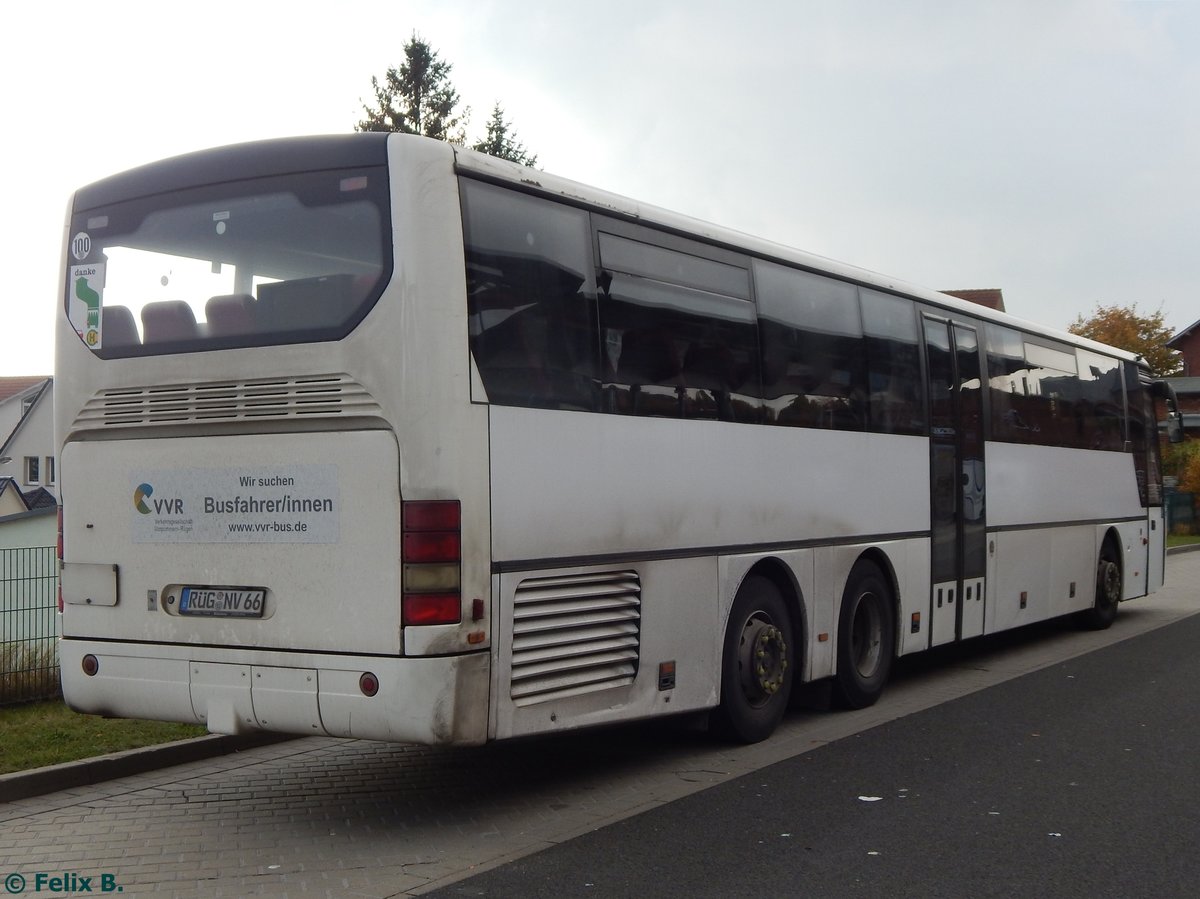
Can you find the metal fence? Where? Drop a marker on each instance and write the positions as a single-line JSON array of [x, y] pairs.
[[1181, 512], [28, 625]]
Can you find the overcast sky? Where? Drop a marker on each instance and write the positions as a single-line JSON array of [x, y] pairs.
[[1051, 149]]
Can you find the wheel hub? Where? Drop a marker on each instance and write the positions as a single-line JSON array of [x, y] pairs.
[[1110, 581], [764, 660], [866, 635]]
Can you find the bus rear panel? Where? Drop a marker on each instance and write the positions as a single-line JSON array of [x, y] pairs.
[[238, 549]]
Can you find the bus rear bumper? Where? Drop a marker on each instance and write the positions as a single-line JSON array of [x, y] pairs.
[[419, 700]]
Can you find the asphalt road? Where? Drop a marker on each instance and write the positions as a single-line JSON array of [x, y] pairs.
[[1080, 779]]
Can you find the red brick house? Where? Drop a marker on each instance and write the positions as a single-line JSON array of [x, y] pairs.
[[1187, 385], [1187, 343], [992, 297]]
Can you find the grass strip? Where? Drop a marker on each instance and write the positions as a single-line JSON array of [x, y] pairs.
[[36, 734]]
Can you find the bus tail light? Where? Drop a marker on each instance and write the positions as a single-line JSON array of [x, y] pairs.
[[60, 555], [435, 546], [432, 608], [431, 551]]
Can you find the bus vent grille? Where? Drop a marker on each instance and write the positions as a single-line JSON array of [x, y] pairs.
[[575, 634], [208, 402]]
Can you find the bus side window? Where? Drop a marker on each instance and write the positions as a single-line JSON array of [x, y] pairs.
[[893, 363], [1006, 390], [812, 336], [680, 328], [1102, 403], [530, 310], [679, 352]]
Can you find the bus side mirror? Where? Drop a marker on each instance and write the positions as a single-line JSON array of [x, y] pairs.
[[1174, 426], [1165, 392]]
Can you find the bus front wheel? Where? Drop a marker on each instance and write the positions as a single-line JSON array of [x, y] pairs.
[[758, 663], [1109, 587], [866, 637]]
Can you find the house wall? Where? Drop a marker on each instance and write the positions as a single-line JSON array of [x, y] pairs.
[[10, 415], [1189, 349], [28, 587], [35, 438], [26, 529], [10, 502]]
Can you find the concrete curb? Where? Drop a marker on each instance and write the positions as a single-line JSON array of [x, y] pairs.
[[38, 781], [1189, 548]]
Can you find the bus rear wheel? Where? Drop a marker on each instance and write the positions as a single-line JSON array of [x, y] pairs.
[[866, 637], [1109, 588], [757, 665]]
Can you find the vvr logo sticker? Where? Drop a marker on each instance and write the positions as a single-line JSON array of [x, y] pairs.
[[161, 506]]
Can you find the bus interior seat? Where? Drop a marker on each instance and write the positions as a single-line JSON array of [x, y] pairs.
[[305, 304], [361, 286], [230, 315], [648, 356], [117, 327], [168, 321], [710, 369], [514, 357], [647, 375]]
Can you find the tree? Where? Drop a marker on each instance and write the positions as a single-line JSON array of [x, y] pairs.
[[1182, 460], [1125, 328], [1189, 474], [417, 98], [501, 140]]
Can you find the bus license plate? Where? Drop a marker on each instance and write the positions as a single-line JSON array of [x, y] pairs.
[[226, 602]]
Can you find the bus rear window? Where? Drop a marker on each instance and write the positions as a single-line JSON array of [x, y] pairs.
[[290, 259]]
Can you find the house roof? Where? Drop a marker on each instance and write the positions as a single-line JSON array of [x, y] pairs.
[[39, 498], [1184, 385], [1174, 342], [9, 485], [992, 297], [12, 386], [29, 382]]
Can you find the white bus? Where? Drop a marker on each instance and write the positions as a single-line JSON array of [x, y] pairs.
[[374, 436]]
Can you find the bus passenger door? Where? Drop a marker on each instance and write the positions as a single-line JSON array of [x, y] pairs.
[[958, 537]]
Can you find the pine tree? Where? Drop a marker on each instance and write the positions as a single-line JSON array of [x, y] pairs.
[[501, 140], [417, 97]]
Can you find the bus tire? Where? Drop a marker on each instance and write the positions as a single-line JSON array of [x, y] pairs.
[[1109, 588], [758, 663], [866, 637]]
